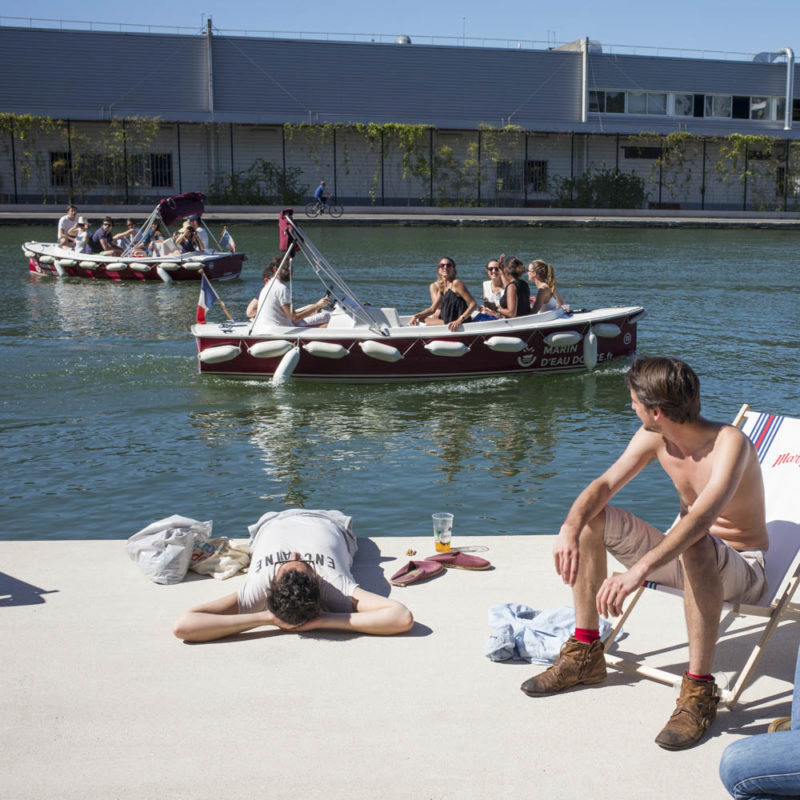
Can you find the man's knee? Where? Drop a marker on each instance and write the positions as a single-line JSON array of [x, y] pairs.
[[700, 558]]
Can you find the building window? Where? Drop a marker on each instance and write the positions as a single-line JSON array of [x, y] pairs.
[[597, 101], [684, 105], [642, 152], [759, 108], [782, 185], [59, 168], [609, 102], [536, 175], [718, 105], [161, 169], [740, 107]]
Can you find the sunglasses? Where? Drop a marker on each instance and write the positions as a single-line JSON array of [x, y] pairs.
[[493, 269]]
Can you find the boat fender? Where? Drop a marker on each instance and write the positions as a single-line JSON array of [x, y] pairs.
[[447, 348], [29, 254], [169, 266], [163, 274], [116, 266], [287, 366], [135, 265], [326, 349], [562, 338], [88, 264], [380, 351], [46, 259], [67, 262], [606, 330], [220, 353], [192, 265], [271, 349], [590, 350], [505, 344], [59, 269]]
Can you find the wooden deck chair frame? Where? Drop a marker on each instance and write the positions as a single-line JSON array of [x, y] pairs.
[[782, 561]]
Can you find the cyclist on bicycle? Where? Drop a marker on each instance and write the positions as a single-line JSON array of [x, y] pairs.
[[321, 196]]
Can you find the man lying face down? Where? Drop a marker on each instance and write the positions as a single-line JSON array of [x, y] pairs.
[[299, 580]]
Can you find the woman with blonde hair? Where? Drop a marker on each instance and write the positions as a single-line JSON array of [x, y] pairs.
[[543, 277], [449, 297]]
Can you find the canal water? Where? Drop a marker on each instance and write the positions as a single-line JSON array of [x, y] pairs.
[[106, 425]]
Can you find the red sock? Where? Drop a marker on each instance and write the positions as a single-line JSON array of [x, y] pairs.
[[586, 635], [700, 677]]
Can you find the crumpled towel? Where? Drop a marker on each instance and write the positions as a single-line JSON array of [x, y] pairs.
[[221, 558], [522, 633]]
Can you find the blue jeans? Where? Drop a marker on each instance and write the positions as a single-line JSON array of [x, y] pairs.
[[768, 765]]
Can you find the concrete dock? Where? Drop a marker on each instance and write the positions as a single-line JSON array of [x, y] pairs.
[[100, 700]]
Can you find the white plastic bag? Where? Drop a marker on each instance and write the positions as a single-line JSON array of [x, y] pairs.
[[221, 558], [163, 550]]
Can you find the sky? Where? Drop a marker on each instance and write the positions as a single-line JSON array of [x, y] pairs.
[[729, 26]]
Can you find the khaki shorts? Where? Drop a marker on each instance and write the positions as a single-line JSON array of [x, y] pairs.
[[628, 538]]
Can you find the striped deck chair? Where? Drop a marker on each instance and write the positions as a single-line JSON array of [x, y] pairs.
[[777, 441]]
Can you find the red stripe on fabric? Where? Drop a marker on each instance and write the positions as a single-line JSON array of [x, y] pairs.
[[764, 431]]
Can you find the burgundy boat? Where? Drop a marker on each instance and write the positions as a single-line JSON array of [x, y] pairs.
[[365, 343], [166, 265]]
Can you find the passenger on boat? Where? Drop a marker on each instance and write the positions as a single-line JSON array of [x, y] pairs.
[[515, 300], [202, 235], [543, 277], [493, 287], [187, 238], [82, 236], [124, 239], [101, 240], [300, 579], [450, 295], [275, 306], [66, 227], [268, 274]]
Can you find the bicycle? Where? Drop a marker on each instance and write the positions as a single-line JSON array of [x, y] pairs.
[[315, 208]]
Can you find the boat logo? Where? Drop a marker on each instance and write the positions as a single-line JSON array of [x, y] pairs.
[[627, 338], [527, 357]]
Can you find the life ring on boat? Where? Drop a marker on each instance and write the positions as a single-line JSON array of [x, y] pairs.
[[606, 330], [326, 350], [505, 344], [287, 366], [380, 351], [116, 266], [271, 349], [450, 349], [562, 338], [220, 353], [590, 350]]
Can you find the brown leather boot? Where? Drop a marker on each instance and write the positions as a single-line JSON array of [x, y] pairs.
[[577, 663], [694, 712]]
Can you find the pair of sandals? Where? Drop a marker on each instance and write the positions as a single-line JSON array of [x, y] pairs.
[[424, 569]]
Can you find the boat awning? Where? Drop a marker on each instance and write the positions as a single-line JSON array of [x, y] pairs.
[[181, 206]]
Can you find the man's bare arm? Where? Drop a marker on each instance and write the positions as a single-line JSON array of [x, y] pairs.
[[218, 619], [373, 614], [641, 450]]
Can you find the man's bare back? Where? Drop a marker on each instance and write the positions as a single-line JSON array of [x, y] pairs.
[[741, 523]]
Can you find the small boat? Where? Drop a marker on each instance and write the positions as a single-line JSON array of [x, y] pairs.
[[165, 265], [364, 343]]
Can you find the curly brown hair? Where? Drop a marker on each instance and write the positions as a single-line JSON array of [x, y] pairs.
[[295, 597]]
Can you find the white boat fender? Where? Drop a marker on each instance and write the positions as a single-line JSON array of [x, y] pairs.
[[326, 350], [287, 366], [451, 349], [562, 338], [193, 265], [29, 254], [590, 350], [139, 267], [116, 266], [67, 262], [46, 259], [271, 349], [381, 351], [220, 353], [163, 274], [88, 264], [169, 266], [505, 344], [606, 330], [59, 269]]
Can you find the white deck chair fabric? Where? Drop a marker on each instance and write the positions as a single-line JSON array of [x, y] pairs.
[[777, 442]]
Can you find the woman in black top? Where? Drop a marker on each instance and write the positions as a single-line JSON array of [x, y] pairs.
[[516, 298], [450, 296]]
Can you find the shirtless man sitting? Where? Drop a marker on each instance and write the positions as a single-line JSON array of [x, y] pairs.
[[714, 552], [299, 580]]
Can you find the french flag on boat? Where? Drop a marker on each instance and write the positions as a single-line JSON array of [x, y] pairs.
[[207, 299], [226, 242]]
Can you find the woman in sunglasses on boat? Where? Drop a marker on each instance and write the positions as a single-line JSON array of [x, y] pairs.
[[515, 300], [449, 296]]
